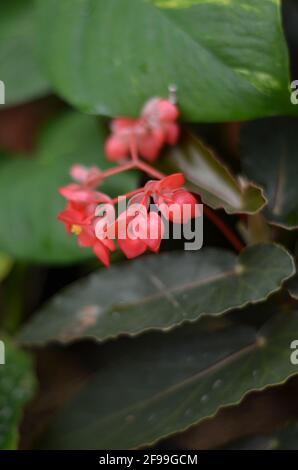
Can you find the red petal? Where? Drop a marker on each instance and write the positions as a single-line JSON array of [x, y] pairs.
[[87, 237], [94, 177], [172, 133], [174, 181], [123, 124], [132, 248], [167, 110], [80, 194], [110, 244], [188, 206], [140, 198], [155, 231], [102, 253], [79, 173], [149, 147], [70, 216], [67, 191], [150, 108]]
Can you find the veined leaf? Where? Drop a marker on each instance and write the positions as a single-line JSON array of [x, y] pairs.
[[269, 155], [19, 67], [160, 292], [150, 387], [210, 178], [110, 57]]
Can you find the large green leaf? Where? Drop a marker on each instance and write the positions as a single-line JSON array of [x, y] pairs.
[[6, 263], [284, 439], [150, 387], [206, 175], [29, 199], [270, 157], [109, 57], [19, 68], [17, 385], [160, 292]]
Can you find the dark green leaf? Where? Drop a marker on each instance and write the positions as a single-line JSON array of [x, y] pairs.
[[19, 68], [109, 57], [292, 286], [17, 385], [156, 385], [159, 292], [207, 176], [269, 155], [29, 199]]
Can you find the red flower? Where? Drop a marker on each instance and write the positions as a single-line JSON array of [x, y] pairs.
[[80, 220], [101, 248], [117, 146], [160, 110], [175, 202], [156, 127], [77, 215], [81, 194], [138, 230]]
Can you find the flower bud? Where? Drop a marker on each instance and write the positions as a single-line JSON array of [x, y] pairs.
[[167, 110], [182, 208], [116, 149]]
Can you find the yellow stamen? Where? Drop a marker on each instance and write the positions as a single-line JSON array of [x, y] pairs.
[[76, 229]]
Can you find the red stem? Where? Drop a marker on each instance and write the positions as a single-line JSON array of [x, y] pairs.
[[136, 163], [129, 194], [118, 169], [134, 150], [150, 170], [225, 229]]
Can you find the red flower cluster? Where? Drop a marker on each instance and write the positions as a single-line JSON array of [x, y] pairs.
[[172, 200], [156, 127], [137, 229]]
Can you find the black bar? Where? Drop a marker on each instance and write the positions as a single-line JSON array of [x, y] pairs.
[[137, 459]]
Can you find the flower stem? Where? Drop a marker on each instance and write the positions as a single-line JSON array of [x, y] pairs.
[[134, 150], [150, 170], [129, 194], [225, 229], [118, 169]]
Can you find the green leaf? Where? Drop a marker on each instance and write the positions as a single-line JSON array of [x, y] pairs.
[[210, 178], [17, 385], [29, 199], [159, 292], [284, 439], [19, 68], [109, 57], [269, 155], [6, 263], [155, 385]]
